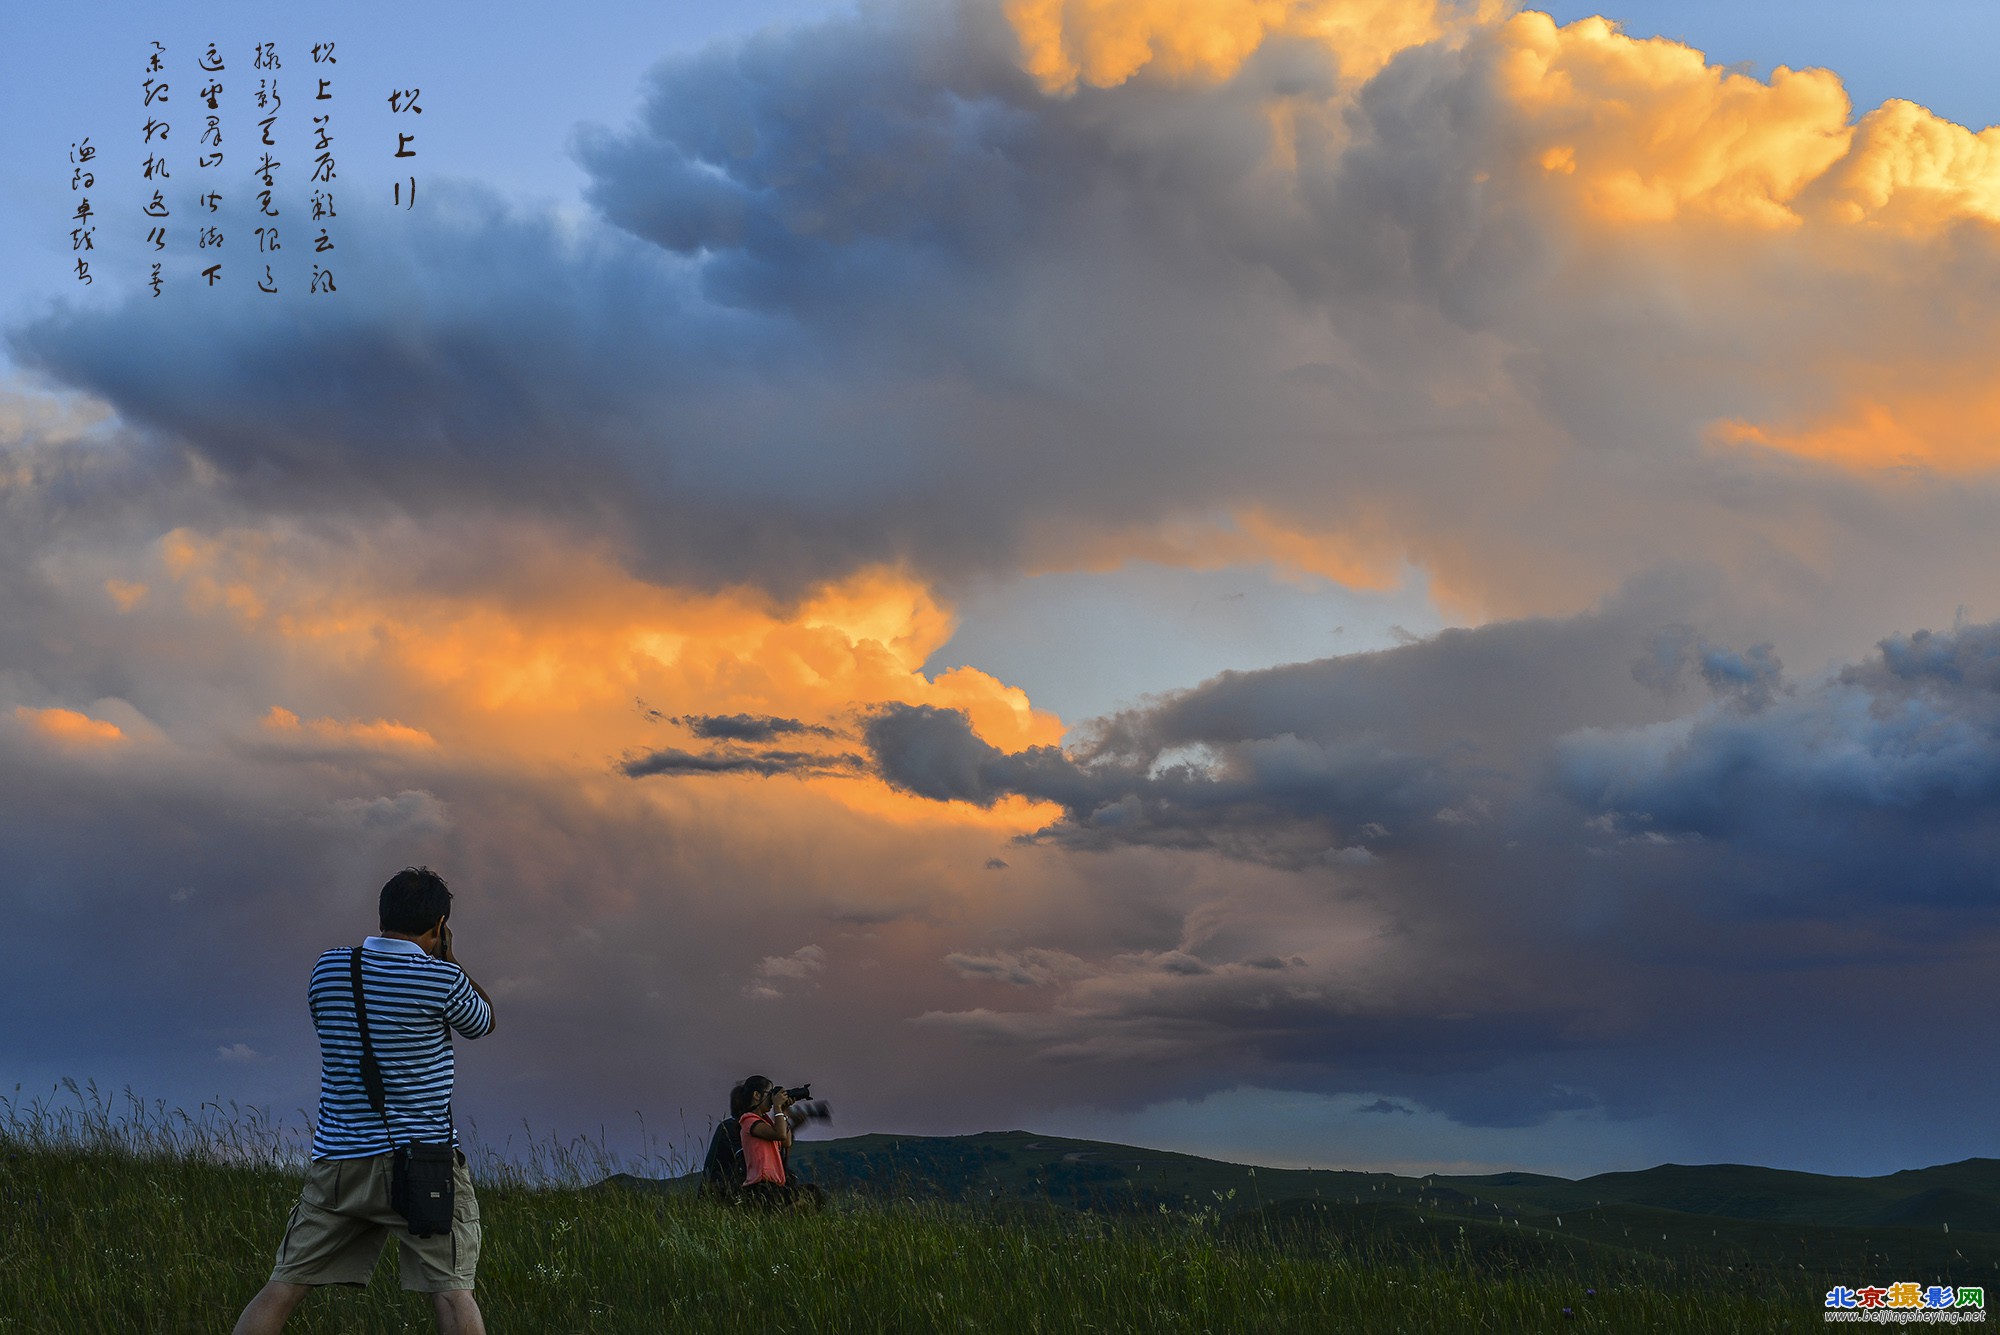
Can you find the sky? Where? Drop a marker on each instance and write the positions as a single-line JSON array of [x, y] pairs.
[[1333, 582]]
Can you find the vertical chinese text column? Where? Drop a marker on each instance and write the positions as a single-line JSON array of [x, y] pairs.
[[82, 177], [403, 102], [265, 171], [324, 170], [208, 163], [154, 89]]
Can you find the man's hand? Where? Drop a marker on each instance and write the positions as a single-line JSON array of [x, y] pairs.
[[444, 953]]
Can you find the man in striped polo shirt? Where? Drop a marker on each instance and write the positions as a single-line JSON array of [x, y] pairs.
[[414, 995]]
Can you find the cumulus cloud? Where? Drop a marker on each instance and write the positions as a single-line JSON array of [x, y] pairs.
[[1752, 677], [1064, 42], [1307, 282], [1022, 968], [1546, 917], [1327, 762], [777, 973], [1892, 755], [802, 963], [1282, 798], [927, 295], [1188, 913]]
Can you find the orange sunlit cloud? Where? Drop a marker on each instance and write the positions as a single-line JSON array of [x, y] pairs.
[[284, 723], [567, 658], [125, 593], [1949, 429], [1648, 130], [1633, 138], [70, 727], [1367, 555], [1915, 172], [1103, 43], [1642, 130]]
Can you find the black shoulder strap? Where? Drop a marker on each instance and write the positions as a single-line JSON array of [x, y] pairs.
[[371, 1070]]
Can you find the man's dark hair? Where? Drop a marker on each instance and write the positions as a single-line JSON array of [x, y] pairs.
[[413, 900], [739, 1101]]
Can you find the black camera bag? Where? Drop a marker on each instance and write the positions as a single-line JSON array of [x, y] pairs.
[[423, 1186]]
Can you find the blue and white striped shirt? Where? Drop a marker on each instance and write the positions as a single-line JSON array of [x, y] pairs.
[[414, 1001]]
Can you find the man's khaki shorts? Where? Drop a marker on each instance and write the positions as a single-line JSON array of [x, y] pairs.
[[337, 1229]]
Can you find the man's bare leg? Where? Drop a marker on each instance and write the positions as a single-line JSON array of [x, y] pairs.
[[457, 1313], [271, 1308]]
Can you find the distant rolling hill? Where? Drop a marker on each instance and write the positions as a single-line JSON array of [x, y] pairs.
[[1936, 1224]]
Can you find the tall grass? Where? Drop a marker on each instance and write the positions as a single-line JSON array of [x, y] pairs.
[[118, 1215]]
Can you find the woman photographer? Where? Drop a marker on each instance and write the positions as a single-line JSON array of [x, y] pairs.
[[767, 1139]]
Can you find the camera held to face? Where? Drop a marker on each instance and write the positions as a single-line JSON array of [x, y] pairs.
[[804, 1107]]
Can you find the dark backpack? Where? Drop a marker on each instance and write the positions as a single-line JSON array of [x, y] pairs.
[[722, 1171]]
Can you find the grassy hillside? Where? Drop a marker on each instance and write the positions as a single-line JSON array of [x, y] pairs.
[[95, 1240], [1942, 1221], [169, 1225]]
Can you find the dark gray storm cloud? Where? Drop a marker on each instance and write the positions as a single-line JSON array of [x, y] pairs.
[[1386, 1106], [1310, 762], [1581, 866], [1873, 794], [674, 761], [748, 727], [1753, 677], [1875, 789], [1280, 799]]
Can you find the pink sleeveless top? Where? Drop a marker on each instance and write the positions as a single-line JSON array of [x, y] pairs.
[[761, 1160]]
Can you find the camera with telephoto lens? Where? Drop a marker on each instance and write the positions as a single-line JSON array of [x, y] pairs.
[[805, 1107]]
